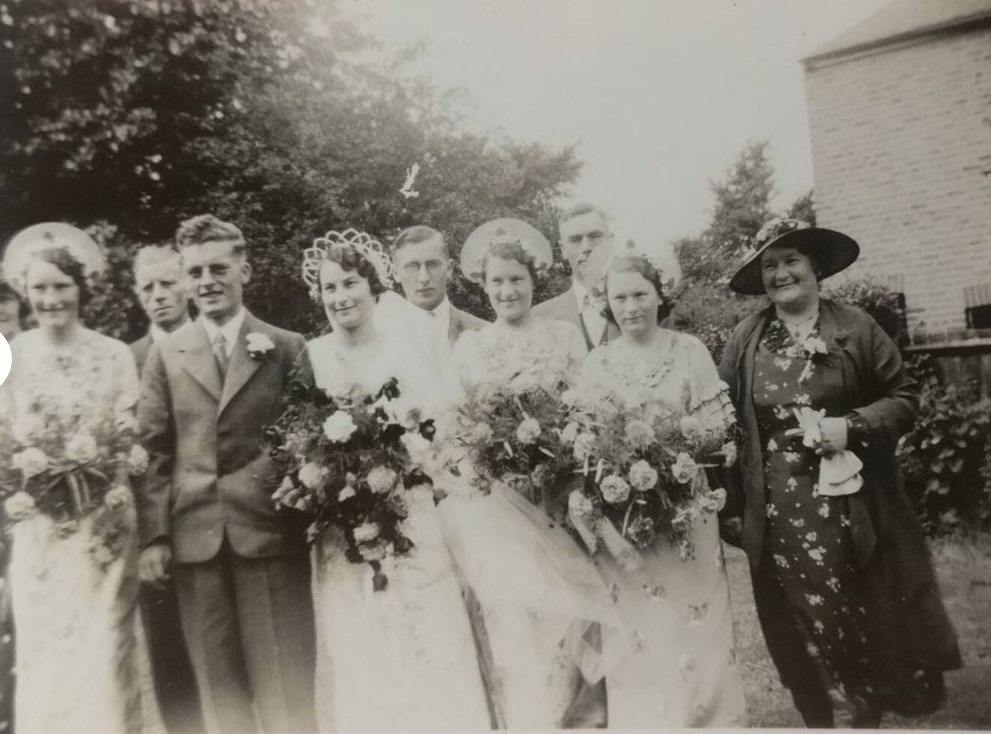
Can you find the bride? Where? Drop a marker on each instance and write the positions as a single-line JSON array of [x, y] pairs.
[[402, 658]]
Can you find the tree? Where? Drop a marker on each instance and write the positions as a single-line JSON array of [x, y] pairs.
[[136, 114]]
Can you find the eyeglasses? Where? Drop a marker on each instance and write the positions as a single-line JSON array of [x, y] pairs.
[[413, 267]]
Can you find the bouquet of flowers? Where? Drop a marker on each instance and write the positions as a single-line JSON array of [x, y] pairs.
[[70, 468], [513, 436], [643, 474], [348, 460]]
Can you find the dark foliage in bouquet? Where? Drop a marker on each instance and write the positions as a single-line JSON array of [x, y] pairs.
[[643, 475], [347, 461], [514, 436], [71, 469]]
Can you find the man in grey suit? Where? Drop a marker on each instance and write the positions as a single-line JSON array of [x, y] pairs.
[[161, 289], [206, 513], [422, 266], [582, 228]]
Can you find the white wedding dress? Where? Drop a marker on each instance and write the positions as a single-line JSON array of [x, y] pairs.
[[400, 659], [540, 609]]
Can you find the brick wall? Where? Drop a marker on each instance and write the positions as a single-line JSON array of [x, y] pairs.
[[898, 145]]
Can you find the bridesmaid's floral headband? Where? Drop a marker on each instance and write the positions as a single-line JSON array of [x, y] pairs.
[[369, 249]]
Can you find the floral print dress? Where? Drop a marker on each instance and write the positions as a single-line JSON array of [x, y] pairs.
[[811, 555], [74, 599]]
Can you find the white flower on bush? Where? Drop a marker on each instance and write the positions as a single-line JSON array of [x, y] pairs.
[[118, 497], [81, 448], [366, 532], [311, 475], [528, 431], [642, 476], [584, 445], [137, 460], [684, 468], [31, 461], [381, 479], [19, 506], [346, 493], [569, 433], [729, 453], [691, 427], [339, 427], [614, 489], [639, 433], [29, 427]]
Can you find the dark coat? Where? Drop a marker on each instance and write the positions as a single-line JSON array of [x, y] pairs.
[[911, 624]]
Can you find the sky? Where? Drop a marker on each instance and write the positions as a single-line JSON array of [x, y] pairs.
[[660, 96]]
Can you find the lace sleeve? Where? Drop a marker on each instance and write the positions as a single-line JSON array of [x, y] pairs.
[[708, 396]]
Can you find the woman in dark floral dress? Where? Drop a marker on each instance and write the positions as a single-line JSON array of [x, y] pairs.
[[842, 579]]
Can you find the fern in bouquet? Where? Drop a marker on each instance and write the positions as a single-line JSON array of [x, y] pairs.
[[348, 461], [643, 475], [513, 436], [72, 467]]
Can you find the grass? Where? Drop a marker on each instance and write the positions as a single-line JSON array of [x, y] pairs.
[[963, 567]]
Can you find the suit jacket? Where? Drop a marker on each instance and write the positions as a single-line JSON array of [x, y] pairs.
[[140, 350], [564, 307], [462, 321], [209, 475]]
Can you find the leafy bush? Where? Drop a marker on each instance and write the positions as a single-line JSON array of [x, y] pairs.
[[878, 300], [710, 312], [946, 458]]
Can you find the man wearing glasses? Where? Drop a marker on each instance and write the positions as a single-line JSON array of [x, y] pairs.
[[422, 266], [582, 228]]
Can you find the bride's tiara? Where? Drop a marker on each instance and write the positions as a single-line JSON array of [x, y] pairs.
[[369, 249]]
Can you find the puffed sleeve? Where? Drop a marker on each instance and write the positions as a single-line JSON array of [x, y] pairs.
[[708, 399]]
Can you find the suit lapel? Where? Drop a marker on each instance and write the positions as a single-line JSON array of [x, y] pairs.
[[198, 358], [242, 366]]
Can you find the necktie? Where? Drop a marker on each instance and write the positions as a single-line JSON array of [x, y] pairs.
[[219, 345]]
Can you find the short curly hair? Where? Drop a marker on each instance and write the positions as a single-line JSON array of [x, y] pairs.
[[66, 262], [639, 264], [510, 250], [351, 260]]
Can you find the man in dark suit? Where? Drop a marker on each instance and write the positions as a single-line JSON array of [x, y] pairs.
[[422, 267], [161, 290], [582, 228], [206, 514]]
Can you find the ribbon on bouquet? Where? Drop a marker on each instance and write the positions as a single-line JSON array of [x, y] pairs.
[[580, 515]]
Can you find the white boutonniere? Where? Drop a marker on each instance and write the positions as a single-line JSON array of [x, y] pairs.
[[259, 345], [814, 345]]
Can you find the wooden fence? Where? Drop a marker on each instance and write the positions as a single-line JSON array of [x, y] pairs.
[[966, 362]]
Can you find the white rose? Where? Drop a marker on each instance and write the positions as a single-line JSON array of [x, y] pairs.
[[259, 344], [31, 461], [715, 500], [639, 433], [614, 489], [346, 493], [81, 448], [118, 497], [366, 532], [28, 427], [684, 468], [19, 506], [691, 427], [403, 412], [642, 476], [311, 475], [137, 460], [339, 427], [528, 431], [381, 479]]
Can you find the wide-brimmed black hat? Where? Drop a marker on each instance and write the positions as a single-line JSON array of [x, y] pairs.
[[833, 251]]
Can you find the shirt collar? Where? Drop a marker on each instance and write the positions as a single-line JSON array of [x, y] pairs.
[[442, 312], [157, 334], [231, 330], [580, 293]]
